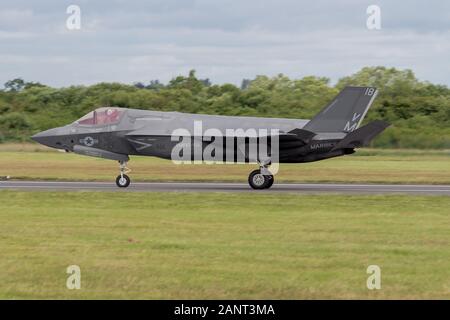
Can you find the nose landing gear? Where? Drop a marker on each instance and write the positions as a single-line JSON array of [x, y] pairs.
[[122, 180]]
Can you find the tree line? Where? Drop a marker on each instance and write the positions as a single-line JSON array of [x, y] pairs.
[[418, 111]]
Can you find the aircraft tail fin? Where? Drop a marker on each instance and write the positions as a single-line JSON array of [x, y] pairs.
[[345, 113], [361, 137]]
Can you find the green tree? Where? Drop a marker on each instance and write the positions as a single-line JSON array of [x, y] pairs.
[[15, 85]]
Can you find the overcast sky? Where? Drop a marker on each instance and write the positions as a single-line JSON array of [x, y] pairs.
[[224, 40]]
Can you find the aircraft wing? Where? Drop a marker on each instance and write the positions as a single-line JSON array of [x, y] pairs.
[[148, 132], [294, 135]]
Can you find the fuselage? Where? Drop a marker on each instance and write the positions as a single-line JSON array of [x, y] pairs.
[[151, 133]]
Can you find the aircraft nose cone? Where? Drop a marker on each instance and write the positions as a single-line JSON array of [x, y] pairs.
[[46, 137], [41, 136]]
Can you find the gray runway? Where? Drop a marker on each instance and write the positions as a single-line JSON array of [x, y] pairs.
[[227, 187]]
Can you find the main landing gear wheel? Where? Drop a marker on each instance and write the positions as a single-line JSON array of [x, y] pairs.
[[123, 181], [258, 181]]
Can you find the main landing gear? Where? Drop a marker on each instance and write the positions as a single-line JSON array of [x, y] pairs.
[[122, 179], [258, 179], [261, 178]]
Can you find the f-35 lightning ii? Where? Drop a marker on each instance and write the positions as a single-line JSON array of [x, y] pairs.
[[116, 133]]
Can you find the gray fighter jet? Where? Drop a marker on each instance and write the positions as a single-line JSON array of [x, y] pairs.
[[115, 133]]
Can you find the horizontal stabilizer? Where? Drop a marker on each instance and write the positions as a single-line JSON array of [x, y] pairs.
[[361, 137], [301, 134]]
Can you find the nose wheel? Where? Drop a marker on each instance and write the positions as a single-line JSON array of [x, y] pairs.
[[122, 180]]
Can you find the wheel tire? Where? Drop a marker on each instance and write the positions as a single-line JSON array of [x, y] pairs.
[[123, 182], [270, 182], [258, 181]]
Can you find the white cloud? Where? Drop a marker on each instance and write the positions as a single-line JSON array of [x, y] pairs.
[[223, 40]]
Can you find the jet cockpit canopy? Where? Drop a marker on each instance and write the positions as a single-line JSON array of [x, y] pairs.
[[101, 116]]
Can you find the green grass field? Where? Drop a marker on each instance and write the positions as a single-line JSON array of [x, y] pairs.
[[177, 245], [374, 166], [217, 245]]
